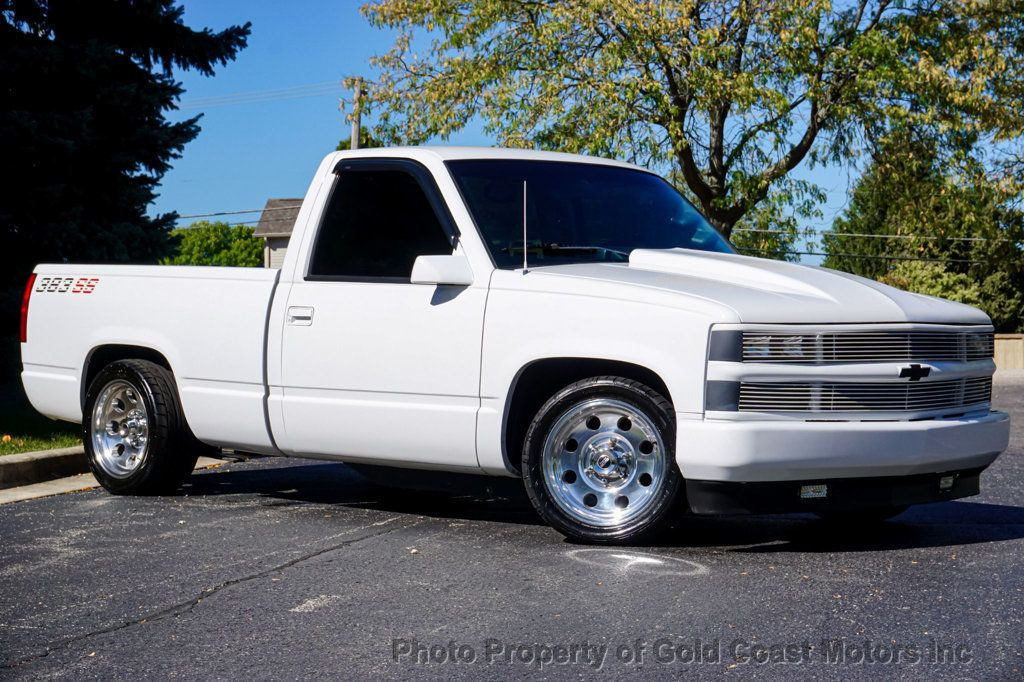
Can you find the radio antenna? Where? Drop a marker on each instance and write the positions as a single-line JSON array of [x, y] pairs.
[[524, 228]]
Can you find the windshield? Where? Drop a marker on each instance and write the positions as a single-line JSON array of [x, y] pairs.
[[577, 212]]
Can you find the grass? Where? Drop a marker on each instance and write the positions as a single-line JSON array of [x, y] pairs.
[[22, 429]]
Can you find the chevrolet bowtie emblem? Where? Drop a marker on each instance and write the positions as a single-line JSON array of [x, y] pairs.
[[915, 372]]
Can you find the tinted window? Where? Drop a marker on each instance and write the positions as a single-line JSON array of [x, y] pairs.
[[577, 212], [377, 222]]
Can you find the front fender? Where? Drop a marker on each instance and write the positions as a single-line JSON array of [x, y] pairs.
[[523, 327]]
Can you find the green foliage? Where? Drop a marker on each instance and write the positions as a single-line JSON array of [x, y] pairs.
[[933, 279], [85, 141], [733, 94], [772, 228], [22, 429], [367, 140], [994, 292], [962, 220], [206, 243]]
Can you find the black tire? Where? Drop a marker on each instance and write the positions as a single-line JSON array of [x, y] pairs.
[[171, 450], [870, 516], [661, 504]]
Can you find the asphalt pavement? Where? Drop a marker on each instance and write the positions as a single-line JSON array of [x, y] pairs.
[[278, 568]]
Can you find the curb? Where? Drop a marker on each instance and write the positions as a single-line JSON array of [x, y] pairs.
[[72, 484], [43, 465]]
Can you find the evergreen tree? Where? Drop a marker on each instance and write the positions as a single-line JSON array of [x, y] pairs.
[[892, 196], [957, 230], [83, 128]]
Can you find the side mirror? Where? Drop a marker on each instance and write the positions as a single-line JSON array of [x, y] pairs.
[[447, 270]]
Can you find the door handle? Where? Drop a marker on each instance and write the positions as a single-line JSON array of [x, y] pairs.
[[300, 315]]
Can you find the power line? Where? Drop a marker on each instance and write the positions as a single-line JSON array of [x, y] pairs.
[[255, 96], [743, 248], [260, 93], [829, 233], [817, 232], [272, 92], [257, 100], [196, 225], [248, 210], [867, 256]]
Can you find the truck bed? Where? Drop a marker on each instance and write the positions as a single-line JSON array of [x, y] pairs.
[[185, 313]]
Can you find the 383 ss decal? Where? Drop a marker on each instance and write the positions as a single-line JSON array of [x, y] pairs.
[[62, 285]]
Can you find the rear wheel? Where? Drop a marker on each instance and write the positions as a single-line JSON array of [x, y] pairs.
[[598, 461], [135, 436]]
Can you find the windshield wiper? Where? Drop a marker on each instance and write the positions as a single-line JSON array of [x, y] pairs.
[[557, 248]]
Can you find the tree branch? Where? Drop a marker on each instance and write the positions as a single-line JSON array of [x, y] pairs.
[[787, 163], [720, 113], [752, 131]]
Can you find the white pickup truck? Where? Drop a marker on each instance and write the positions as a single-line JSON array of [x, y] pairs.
[[634, 363]]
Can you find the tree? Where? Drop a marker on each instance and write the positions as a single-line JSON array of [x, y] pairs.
[[367, 140], [772, 229], [922, 224], [216, 243], [83, 128], [998, 292], [734, 94], [902, 192]]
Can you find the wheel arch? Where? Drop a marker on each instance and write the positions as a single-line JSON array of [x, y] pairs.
[[102, 355], [538, 380]]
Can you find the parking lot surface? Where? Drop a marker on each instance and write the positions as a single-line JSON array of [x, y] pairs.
[[276, 568]]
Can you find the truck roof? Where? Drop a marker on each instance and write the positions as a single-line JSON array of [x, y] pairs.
[[450, 153]]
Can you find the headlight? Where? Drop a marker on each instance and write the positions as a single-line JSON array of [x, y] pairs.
[[777, 347], [979, 346]]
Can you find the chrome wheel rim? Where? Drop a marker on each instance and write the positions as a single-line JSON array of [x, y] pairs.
[[120, 429], [603, 462]]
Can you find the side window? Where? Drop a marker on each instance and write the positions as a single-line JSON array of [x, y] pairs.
[[377, 222]]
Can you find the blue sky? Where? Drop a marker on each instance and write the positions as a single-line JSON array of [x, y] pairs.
[[250, 151]]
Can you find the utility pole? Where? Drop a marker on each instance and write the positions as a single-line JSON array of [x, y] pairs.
[[355, 114]]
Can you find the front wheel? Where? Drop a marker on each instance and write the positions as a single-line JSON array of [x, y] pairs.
[[135, 436], [599, 463]]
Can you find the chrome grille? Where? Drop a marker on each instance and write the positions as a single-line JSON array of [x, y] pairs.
[[872, 346], [864, 397]]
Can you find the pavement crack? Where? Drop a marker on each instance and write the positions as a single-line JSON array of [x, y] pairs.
[[188, 605]]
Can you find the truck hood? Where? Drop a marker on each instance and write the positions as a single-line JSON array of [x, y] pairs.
[[760, 290]]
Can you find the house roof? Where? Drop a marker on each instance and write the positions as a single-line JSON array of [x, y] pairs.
[[278, 218]]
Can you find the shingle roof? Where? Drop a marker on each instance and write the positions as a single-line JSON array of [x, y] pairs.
[[278, 218]]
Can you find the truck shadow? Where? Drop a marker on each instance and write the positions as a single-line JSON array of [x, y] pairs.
[[471, 498], [940, 524], [475, 498]]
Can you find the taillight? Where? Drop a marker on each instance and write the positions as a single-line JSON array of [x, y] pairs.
[[24, 307]]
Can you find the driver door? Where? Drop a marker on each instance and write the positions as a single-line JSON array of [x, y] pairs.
[[374, 368]]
